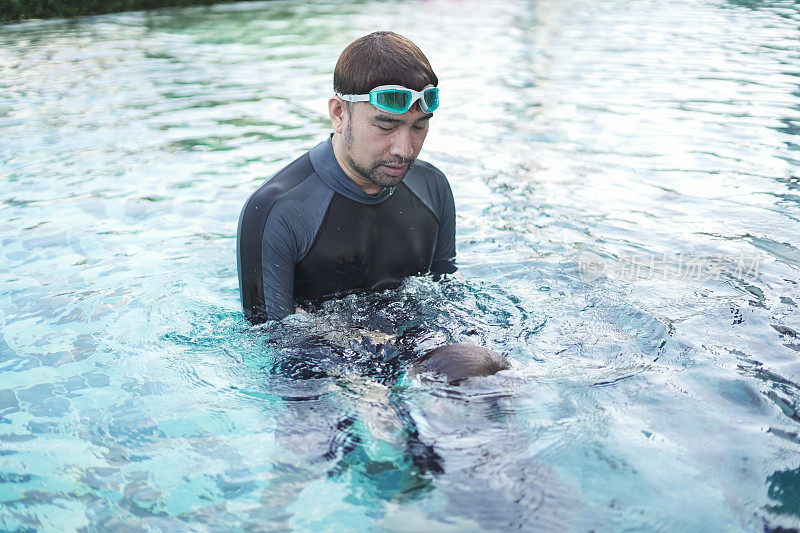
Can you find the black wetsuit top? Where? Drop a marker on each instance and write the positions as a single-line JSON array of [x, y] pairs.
[[310, 232]]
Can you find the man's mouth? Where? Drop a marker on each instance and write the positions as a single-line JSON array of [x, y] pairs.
[[395, 170]]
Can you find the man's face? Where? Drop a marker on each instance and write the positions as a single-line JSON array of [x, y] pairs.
[[380, 147]]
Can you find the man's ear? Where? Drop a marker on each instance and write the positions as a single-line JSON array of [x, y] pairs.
[[338, 113]]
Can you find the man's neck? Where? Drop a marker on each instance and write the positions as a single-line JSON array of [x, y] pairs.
[[338, 149]]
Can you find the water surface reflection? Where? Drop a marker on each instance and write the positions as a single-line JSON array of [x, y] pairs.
[[650, 134]]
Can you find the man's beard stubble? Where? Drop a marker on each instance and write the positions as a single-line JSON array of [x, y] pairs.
[[374, 173]]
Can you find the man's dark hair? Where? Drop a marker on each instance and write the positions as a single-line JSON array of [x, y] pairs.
[[381, 58]]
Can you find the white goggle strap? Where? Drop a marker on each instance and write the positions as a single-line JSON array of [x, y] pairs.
[[354, 97]]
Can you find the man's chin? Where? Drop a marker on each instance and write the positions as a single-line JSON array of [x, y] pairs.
[[385, 180]]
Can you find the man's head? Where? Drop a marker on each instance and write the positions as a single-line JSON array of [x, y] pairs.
[[376, 148]]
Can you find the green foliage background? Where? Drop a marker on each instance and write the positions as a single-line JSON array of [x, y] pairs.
[[16, 10]]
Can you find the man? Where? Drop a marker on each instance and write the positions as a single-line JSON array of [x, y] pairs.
[[357, 211]]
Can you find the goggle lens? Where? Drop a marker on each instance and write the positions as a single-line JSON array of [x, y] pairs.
[[393, 100], [431, 97]]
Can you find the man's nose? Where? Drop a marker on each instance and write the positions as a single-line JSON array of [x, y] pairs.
[[401, 143]]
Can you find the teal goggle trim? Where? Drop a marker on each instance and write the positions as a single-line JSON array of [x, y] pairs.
[[397, 99]]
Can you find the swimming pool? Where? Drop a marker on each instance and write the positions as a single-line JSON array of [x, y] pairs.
[[627, 186]]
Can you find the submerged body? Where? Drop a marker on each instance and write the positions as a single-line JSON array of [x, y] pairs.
[[457, 362]]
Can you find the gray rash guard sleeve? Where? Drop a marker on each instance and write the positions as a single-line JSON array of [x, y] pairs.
[[278, 254], [289, 232]]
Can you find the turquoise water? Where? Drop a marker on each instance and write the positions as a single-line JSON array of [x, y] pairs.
[[627, 183]]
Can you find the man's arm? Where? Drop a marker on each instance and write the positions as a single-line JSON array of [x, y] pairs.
[[444, 256], [266, 257], [278, 253]]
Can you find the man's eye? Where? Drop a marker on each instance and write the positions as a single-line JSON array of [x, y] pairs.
[[419, 127], [385, 128]]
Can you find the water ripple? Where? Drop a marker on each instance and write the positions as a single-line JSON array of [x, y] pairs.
[[659, 138]]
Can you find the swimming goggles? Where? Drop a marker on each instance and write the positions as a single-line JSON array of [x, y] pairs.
[[397, 99]]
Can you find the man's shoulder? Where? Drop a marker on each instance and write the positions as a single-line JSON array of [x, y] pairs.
[[430, 185], [270, 196], [425, 176], [427, 170], [288, 184], [286, 179]]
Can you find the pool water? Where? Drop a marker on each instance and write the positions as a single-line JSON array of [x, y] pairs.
[[627, 184]]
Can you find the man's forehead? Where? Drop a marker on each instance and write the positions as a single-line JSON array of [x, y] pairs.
[[409, 117]]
